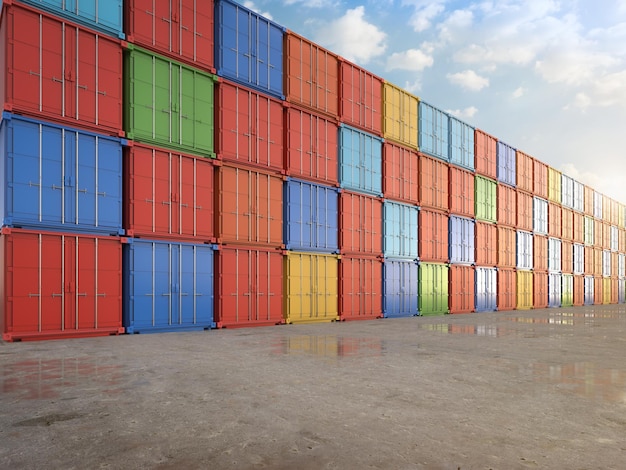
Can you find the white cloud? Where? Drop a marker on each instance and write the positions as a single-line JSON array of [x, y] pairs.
[[466, 113], [412, 59], [519, 92], [424, 14], [585, 177], [413, 87], [249, 4], [469, 80]]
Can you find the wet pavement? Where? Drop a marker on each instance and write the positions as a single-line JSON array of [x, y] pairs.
[[500, 390]]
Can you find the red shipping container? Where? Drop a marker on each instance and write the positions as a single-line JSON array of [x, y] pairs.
[[507, 249], [540, 253], [588, 201], [360, 288], [361, 98], [567, 224], [507, 205], [461, 192], [540, 289], [579, 291], [567, 257], [598, 290], [311, 75], [311, 146], [360, 224], [55, 69], [433, 236], [524, 172], [578, 227], [524, 220], [540, 179], [485, 154], [554, 220], [179, 29], [249, 207], [486, 244], [249, 289], [250, 127], [168, 195], [400, 173], [59, 285], [433, 183], [507, 285], [461, 289], [589, 261]]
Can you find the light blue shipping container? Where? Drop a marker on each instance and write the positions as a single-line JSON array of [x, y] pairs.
[[486, 286], [360, 161], [461, 144], [168, 286], [555, 290], [400, 282], [59, 178], [507, 161], [461, 240], [433, 131], [589, 290], [400, 235]]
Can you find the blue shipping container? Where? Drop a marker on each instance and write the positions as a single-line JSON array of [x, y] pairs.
[[461, 144], [360, 161], [167, 286], [486, 286], [311, 221], [101, 15], [461, 240], [507, 161], [433, 131], [59, 178], [400, 283], [249, 48], [400, 236], [589, 290], [555, 290]]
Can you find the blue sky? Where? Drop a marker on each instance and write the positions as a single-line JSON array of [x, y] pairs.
[[547, 77]]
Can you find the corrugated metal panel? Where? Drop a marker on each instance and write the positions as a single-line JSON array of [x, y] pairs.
[[249, 127], [433, 183], [567, 224], [361, 98], [249, 48], [554, 185], [621, 286], [360, 224], [524, 290], [400, 115], [598, 262], [57, 70], [461, 144], [168, 103], [312, 75], [507, 298], [311, 221], [461, 290], [621, 215], [507, 205], [614, 265], [433, 236], [579, 258], [400, 230], [598, 232], [554, 254], [486, 244], [400, 173], [579, 196], [589, 260], [554, 220], [249, 287], [400, 288], [524, 219], [607, 295], [433, 289], [589, 290], [524, 171], [540, 253], [485, 154], [540, 289], [59, 178], [486, 289], [506, 164], [567, 290], [622, 241], [614, 291], [485, 196], [598, 297], [578, 228], [597, 205], [461, 192], [506, 247], [169, 286], [567, 257], [540, 180], [621, 265], [524, 257], [311, 288], [168, 195], [540, 216], [606, 236], [555, 290], [606, 208], [606, 263], [588, 199], [579, 291], [614, 238], [59, 285], [567, 191], [589, 229], [434, 131], [360, 161], [360, 288], [461, 242]]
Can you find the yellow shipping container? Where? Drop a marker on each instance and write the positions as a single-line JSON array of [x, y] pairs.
[[606, 290], [620, 215], [524, 290], [400, 116], [554, 185], [311, 287]]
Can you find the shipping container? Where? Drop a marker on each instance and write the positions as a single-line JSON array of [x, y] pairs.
[[606, 263], [461, 289], [614, 265], [607, 203], [249, 48], [400, 230], [507, 297], [554, 220], [311, 288], [360, 288], [180, 29], [360, 161], [434, 131], [614, 283], [555, 290], [59, 178], [360, 98], [59, 285], [360, 224], [614, 212], [400, 116], [614, 238], [400, 173], [589, 260], [607, 294], [554, 185], [567, 290], [486, 289], [621, 265], [168, 195], [540, 253], [579, 196], [524, 256], [461, 191], [506, 164], [249, 287], [540, 289], [579, 258], [589, 290], [578, 227], [540, 179], [524, 216], [598, 262], [507, 205], [433, 183], [589, 229], [524, 171], [485, 154], [598, 207], [485, 197], [433, 236], [311, 217], [433, 289], [554, 255], [567, 224], [567, 191], [621, 292], [588, 200], [598, 289], [167, 103], [249, 127], [486, 244], [524, 290], [249, 207], [567, 257], [400, 285], [311, 146], [54, 69], [621, 215], [506, 247], [311, 75], [168, 286], [461, 144], [621, 241], [598, 233], [579, 291], [606, 235], [461, 236], [540, 216]]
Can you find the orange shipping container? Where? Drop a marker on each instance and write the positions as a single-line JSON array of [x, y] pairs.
[[606, 208], [524, 172], [567, 224], [579, 291], [606, 235], [433, 236], [507, 205], [361, 98], [622, 241], [578, 227], [614, 265], [461, 192], [540, 289], [614, 291], [540, 180], [589, 260], [598, 290], [360, 224], [598, 238], [360, 288], [567, 257], [554, 220], [506, 250], [597, 262], [588, 201], [433, 183], [507, 285], [540, 253], [486, 244], [461, 289], [485, 154], [524, 220], [400, 173]]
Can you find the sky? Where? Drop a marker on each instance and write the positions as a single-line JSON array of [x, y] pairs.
[[547, 77]]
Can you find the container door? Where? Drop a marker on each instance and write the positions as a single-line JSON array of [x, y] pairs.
[[194, 30], [349, 158], [181, 94], [325, 287], [266, 125], [160, 100], [299, 279], [267, 205], [268, 272], [162, 17], [165, 258], [195, 198], [51, 64], [236, 279], [196, 111], [194, 285]]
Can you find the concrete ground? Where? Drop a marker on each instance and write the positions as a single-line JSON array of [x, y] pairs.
[[502, 390]]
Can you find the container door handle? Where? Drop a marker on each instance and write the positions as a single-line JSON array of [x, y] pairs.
[[165, 294], [103, 93], [34, 73], [84, 87], [82, 191], [30, 183], [54, 186], [53, 295], [184, 205], [36, 295], [165, 203], [103, 194], [149, 200], [101, 295], [184, 294], [81, 294], [58, 80]]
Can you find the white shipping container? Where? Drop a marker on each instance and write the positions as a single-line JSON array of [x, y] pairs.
[[524, 255], [567, 191], [597, 205], [554, 254], [589, 231], [579, 196], [579, 258], [540, 216], [614, 238], [589, 290], [621, 265], [621, 288], [554, 290], [606, 263]]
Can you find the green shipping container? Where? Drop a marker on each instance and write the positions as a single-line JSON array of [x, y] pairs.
[[485, 199], [567, 290], [432, 289], [167, 103]]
